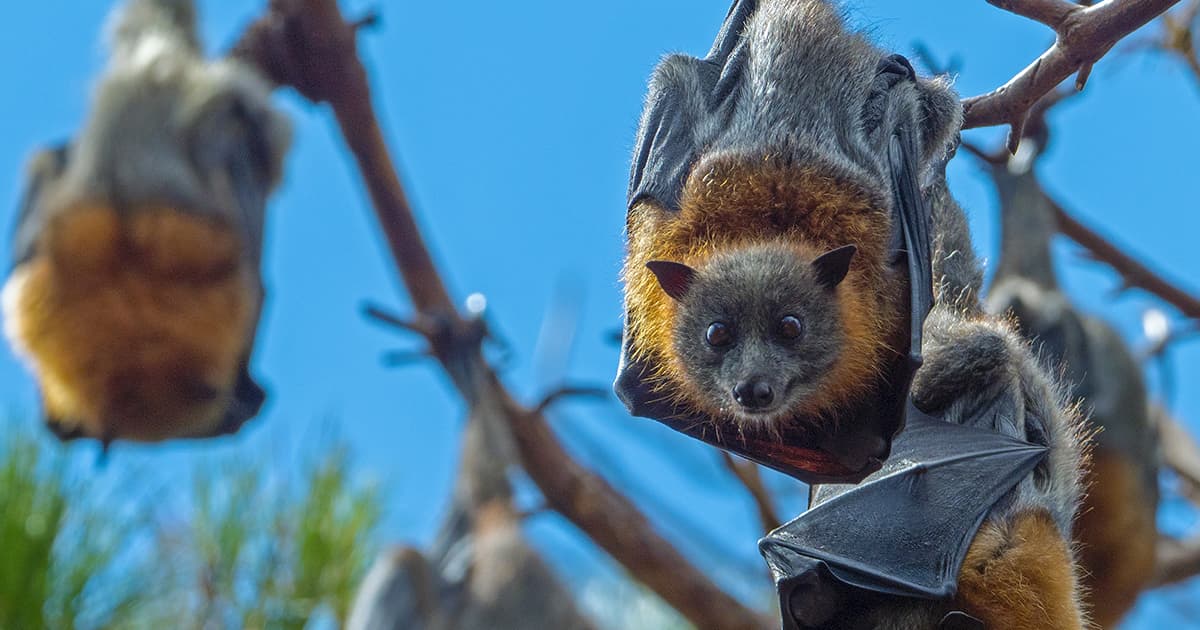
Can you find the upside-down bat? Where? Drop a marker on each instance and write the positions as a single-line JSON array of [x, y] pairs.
[[1117, 529], [480, 573], [755, 167], [778, 241], [136, 290]]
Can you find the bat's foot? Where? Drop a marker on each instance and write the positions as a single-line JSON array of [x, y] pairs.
[[963, 359], [102, 457]]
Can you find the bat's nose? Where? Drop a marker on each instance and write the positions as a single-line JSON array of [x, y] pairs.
[[754, 394]]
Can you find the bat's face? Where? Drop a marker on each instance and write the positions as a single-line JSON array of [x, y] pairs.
[[757, 328]]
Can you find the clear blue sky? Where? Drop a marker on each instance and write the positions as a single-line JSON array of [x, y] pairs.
[[513, 123]]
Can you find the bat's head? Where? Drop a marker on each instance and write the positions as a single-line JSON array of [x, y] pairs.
[[756, 328]]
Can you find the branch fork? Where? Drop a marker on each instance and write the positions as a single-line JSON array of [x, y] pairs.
[[1084, 35]]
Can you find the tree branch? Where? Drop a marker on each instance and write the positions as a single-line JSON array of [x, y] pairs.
[[1178, 37], [1085, 34], [748, 475], [570, 391], [308, 45], [1052, 13], [1132, 272]]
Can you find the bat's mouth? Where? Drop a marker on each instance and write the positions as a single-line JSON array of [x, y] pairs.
[[772, 417]]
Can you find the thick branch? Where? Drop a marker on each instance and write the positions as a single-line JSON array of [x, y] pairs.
[[748, 475], [308, 45], [1052, 13], [1085, 34], [1132, 272]]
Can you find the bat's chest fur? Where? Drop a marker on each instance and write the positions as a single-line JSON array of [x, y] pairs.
[[135, 323], [728, 205]]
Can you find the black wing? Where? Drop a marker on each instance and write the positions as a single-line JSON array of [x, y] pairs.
[[45, 167], [906, 529], [232, 149], [691, 94], [667, 144], [914, 219], [696, 91]]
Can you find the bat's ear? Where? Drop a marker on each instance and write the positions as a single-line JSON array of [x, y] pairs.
[[674, 278], [832, 266]]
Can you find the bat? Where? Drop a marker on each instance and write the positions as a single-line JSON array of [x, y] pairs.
[[135, 289], [670, 144]]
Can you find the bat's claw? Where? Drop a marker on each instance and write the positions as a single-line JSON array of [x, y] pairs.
[[103, 456]]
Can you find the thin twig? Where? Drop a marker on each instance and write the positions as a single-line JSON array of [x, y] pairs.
[[1179, 38], [980, 154], [387, 318], [403, 358], [1175, 561], [1159, 347], [1085, 34], [748, 475], [309, 46], [925, 56], [570, 391]]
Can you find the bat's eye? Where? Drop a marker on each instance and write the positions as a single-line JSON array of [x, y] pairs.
[[718, 335], [790, 327]]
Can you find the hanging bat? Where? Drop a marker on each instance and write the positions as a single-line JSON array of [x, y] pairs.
[[1116, 530], [756, 171], [778, 266], [480, 573], [135, 290]]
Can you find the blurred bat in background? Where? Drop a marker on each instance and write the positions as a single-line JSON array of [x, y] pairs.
[[1116, 530], [136, 290]]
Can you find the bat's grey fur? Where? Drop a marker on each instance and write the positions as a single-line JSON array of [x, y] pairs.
[[169, 127], [1094, 361], [1118, 533], [805, 96], [804, 93], [751, 292], [167, 131], [481, 573]]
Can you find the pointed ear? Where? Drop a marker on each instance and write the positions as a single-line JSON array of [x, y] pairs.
[[674, 278], [832, 266]]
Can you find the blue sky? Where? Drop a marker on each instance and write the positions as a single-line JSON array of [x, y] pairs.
[[513, 124]]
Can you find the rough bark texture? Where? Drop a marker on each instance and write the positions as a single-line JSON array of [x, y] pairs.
[[1085, 34]]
